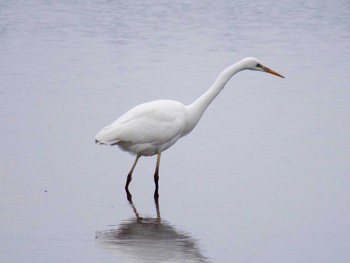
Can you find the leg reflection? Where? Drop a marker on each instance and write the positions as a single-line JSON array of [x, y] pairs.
[[129, 198], [156, 202], [138, 217]]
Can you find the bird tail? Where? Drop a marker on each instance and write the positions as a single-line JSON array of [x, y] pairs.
[[107, 136], [98, 142]]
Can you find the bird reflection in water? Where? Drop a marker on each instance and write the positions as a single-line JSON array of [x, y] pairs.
[[150, 239]]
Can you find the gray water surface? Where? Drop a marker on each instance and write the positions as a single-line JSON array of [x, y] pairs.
[[263, 178]]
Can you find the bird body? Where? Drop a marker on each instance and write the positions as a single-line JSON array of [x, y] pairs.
[[151, 128], [148, 128]]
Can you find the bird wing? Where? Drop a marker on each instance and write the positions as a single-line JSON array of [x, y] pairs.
[[154, 123]]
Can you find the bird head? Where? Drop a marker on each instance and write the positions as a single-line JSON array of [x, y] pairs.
[[255, 64]]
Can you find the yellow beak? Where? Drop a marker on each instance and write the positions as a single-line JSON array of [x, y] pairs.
[[268, 70]]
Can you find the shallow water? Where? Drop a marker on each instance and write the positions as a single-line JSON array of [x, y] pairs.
[[263, 178]]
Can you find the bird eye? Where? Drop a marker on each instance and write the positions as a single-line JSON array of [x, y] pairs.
[[258, 65]]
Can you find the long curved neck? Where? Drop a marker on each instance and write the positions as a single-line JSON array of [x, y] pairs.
[[197, 108]]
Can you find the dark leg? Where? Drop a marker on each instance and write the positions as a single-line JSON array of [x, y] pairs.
[[156, 177], [128, 180], [128, 195], [156, 201]]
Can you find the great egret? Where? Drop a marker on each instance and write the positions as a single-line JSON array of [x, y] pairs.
[[153, 127]]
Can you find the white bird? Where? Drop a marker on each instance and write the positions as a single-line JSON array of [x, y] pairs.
[[153, 127]]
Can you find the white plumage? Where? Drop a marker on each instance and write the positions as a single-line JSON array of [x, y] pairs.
[[153, 127], [147, 129]]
